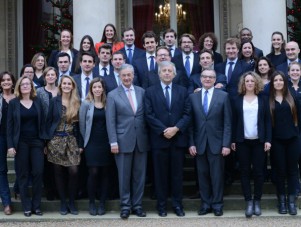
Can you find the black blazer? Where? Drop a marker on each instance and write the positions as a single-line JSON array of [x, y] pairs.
[[178, 61], [52, 61], [54, 118], [14, 121], [110, 82], [141, 69], [217, 58], [264, 120], [284, 67], [159, 117], [138, 53], [96, 70]]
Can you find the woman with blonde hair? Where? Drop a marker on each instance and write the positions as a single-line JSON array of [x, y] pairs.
[[98, 155], [25, 140], [65, 145]]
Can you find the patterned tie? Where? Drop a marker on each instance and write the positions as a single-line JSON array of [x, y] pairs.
[[130, 55], [152, 64], [87, 85], [131, 100], [205, 102], [187, 66], [104, 71], [167, 97], [230, 70]]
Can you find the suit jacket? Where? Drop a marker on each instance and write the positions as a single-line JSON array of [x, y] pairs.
[[159, 116], [110, 82], [141, 70], [78, 81], [258, 52], [86, 119], [217, 58], [215, 127], [264, 124], [14, 121], [125, 127], [52, 61], [178, 61], [240, 68], [177, 52], [138, 53], [96, 70], [195, 82], [284, 67]]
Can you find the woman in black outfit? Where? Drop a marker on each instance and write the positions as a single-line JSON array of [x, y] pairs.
[[25, 140], [277, 55], [251, 137], [96, 144], [285, 140]]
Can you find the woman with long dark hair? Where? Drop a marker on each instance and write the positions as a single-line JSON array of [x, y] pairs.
[[277, 55]]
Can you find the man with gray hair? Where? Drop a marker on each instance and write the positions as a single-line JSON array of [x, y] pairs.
[[128, 138], [167, 113]]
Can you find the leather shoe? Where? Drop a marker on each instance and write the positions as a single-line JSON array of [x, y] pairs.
[[7, 210], [179, 211], [204, 211], [63, 209], [249, 209], [101, 209], [73, 209], [27, 213], [257, 208], [139, 212], [92, 209], [162, 213], [38, 212], [218, 212], [124, 214]]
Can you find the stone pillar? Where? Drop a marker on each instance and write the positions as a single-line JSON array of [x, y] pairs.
[[263, 18], [90, 18]]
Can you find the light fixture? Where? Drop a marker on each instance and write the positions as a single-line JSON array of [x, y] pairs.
[[163, 15]]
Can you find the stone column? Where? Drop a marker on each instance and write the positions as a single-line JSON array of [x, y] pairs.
[[90, 18], [263, 18]]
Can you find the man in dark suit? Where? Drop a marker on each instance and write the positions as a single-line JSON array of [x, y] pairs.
[[206, 62], [112, 81], [104, 67], [87, 63], [232, 67], [210, 140], [63, 63], [245, 34], [130, 50], [188, 61], [128, 137], [292, 51], [167, 113], [170, 39], [146, 63]]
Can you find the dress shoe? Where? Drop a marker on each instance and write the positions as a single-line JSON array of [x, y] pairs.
[[27, 213], [257, 208], [37, 212], [249, 209], [218, 212], [124, 214], [101, 209], [282, 209], [162, 213], [92, 209], [179, 211], [63, 209], [139, 212], [292, 210], [72, 209], [7, 210], [204, 211]]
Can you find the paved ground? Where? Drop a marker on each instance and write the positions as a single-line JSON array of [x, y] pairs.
[[230, 218]]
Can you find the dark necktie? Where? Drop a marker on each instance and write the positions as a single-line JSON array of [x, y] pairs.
[[152, 64], [104, 71], [187, 66], [167, 97], [130, 55], [205, 102], [230, 70], [87, 85], [171, 51]]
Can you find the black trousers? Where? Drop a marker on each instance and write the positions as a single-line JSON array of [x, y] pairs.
[[30, 161], [168, 170], [285, 155], [251, 153]]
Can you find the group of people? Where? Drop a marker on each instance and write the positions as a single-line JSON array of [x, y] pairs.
[[114, 105]]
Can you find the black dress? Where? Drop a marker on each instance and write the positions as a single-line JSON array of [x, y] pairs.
[[98, 151]]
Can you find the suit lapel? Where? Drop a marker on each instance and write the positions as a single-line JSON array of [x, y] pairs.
[[174, 96], [213, 100], [200, 100], [162, 96], [123, 96]]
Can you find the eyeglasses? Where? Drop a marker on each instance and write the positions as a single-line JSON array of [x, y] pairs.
[[186, 42], [163, 55], [208, 77], [25, 84]]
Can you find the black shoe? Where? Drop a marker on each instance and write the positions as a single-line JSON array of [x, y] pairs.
[[101, 209], [179, 211], [63, 209], [124, 214], [92, 209], [37, 212], [162, 213], [27, 213], [72, 209], [257, 208], [218, 212], [249, 209], [292, 210], [139, 212], [204, 211], [282, 209]]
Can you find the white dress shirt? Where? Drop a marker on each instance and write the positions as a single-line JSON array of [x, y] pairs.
[[84, 82]]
